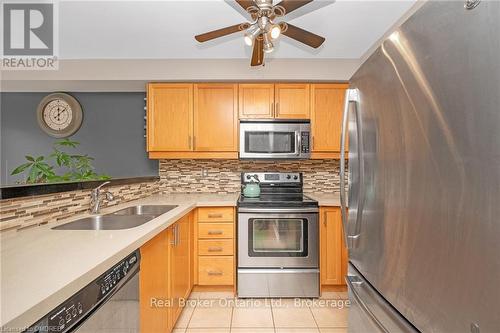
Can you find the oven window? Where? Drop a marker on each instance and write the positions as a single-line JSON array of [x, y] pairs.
[[281, 237], [270, 142]]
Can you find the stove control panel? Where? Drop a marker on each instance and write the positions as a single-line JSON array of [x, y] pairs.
[[74, 309], [272, 177]]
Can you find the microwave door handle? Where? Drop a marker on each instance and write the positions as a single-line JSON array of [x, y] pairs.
[[298, 143]]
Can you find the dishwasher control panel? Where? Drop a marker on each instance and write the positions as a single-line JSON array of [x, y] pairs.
[[81, 305]]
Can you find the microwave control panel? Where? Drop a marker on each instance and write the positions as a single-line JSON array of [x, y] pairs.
[[304, 142]]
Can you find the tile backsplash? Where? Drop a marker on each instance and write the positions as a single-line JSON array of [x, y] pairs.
[[20, 213], [223, 176], [187, 176]]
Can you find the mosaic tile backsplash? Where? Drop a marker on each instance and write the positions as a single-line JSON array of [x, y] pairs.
[[20, 213], [223, 176], [186, 176]]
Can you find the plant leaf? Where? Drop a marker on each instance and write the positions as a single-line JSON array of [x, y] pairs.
[[30, 158], [21, 168]]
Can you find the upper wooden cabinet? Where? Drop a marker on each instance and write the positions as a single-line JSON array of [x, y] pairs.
[[333, 253], [216, 117], [256, 100], [280, 100], [292, 100], [327, 103], [192, 120], [170, 112]]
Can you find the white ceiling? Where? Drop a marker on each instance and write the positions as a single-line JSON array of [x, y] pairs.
[[165, 29]]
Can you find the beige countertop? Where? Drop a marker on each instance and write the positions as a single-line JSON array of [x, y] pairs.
[[325, 199], [41, 267]]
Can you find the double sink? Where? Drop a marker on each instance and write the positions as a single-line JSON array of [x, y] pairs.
[[125, 218]]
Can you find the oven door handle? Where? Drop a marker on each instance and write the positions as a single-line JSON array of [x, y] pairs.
[[278, 210]]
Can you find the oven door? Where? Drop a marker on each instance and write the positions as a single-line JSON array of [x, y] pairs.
[[277, 239], [271, 140]]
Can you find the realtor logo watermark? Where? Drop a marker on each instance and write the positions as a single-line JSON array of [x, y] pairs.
[[29, 36]]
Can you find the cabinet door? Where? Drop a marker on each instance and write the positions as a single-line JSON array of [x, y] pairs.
[[292, 100], [154, 284], [332, 260], [327, 103], [216, 117], [169, 117], [256, 100], [180, 258]]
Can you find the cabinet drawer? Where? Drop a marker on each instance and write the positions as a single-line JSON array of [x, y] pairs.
[[215, 270], [216, 214], [223, 247], [215, 230]]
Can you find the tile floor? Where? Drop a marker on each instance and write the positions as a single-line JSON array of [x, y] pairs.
[[219, 312]]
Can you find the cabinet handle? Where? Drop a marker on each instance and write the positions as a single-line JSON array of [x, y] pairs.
[[312, 142], [272, 110], [324, 218], [215, 232], [277, 113], [214, 216], [189, 142], [194, 142], [215, 273], [174, 234], [215, 249]]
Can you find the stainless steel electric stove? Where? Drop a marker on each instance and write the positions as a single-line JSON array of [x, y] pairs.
[[278, 238]]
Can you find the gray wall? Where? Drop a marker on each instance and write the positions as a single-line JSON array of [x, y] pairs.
[[112, 132]]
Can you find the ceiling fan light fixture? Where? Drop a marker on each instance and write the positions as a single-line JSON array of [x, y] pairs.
[[268, 45], [275, 31], [251, 34]]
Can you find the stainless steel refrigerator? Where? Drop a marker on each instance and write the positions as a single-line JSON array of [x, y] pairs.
[[423, 223]]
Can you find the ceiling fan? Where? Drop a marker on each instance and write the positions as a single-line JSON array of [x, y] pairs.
[[264, 30]]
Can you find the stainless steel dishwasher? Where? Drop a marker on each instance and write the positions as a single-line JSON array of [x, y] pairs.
[[110, 303]]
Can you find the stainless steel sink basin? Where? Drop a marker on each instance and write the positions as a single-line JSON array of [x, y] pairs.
[[154, 210], [106, 222]]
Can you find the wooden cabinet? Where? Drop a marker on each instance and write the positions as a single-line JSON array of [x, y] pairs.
[[166, 276], [170, 117], [280, 101], [292, 100], [333, 253], [154, 284], [327, 103], [216, 117], [256, 100], [180, 264], [215, 246], [192, 120]]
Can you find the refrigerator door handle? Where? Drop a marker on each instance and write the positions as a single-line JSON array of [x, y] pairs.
[[352, 98]]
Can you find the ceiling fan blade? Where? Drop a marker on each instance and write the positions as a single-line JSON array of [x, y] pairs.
[[221, 32], [258, 52], [291, 5], [245, 3], [303, 36]]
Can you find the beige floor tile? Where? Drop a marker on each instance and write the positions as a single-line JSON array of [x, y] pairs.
[[216, 294], [330, 317], [333, 330], [297, 330], [289, 303], [252, 330], [211, 316], [185, 316], [252, 316], [293, 317], [179, 330], [208, 330]]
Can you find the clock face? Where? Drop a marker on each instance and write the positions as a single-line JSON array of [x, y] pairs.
[[57, 114]]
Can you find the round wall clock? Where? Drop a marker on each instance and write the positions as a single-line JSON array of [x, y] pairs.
[[59, 115]]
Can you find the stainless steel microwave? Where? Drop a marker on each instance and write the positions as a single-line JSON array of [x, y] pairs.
[[275, 139]]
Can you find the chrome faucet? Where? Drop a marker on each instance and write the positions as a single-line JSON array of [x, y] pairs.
[[96, 198]]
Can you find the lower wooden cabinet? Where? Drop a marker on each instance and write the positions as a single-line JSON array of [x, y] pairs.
[[333, 253], [215, 246], [154, 286], [165, 276]]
